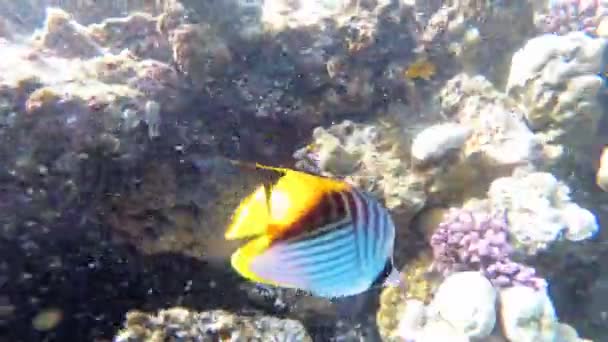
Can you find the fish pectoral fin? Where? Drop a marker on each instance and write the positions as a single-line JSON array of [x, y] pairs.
[[243, 258], [252, 216]]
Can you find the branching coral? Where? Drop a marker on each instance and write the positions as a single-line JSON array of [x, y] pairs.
[[468, 240]]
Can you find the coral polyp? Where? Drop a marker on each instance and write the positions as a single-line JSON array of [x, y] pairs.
[[468, 240]]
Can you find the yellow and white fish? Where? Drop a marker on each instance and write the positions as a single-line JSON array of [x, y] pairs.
[[316, 234]]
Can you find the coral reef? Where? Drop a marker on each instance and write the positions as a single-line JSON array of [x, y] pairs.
[[74, 111], [190, 212], [491, 141], [499, 141], [555, 78], [396, 303], [435, 142], [369, 158], [499, 133], [65, 36], [466, 301], [468, 240], [467, 307], [539, 200], [182, 324], [527, 315], [564, 16], [479, 35], [119, 122], [595, 308], [139, 33]]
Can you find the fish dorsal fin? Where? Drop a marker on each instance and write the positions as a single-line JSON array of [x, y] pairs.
[[252, 216]]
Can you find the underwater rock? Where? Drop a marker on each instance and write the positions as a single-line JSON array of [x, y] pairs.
[[102, 96], [434, 142], [280, 15], [137, 32], [394, 302], [344, 60], [499, 131], [500, 140], [181, 210], [328, 60], [597, 301], [439, 330], [457, 31], [556, 80], [29, 13], [199, 53], [77, 125], [540, 211], [412, 319], [380, 168], [182, 324], [466, 300], [566, 333], [65, 36], [332, 155], [527, 315]]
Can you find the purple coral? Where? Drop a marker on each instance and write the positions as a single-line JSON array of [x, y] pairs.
[[467, 240], [574, 15]]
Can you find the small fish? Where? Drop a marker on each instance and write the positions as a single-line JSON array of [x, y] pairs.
[[315, 234], [421, 68]]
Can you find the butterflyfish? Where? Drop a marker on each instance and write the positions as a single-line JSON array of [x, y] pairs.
[[316, 234]]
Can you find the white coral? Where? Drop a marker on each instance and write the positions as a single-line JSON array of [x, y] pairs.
[[435, 141], [540, 210], [527, 315], [555, 78], [466, 300]]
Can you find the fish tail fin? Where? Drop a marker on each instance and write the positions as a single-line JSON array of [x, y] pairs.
[[394, 279], [252, 216]]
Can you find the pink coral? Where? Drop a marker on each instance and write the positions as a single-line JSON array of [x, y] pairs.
[[467, 240]]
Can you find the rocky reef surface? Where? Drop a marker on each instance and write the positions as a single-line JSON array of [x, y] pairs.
[[119, 122]]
